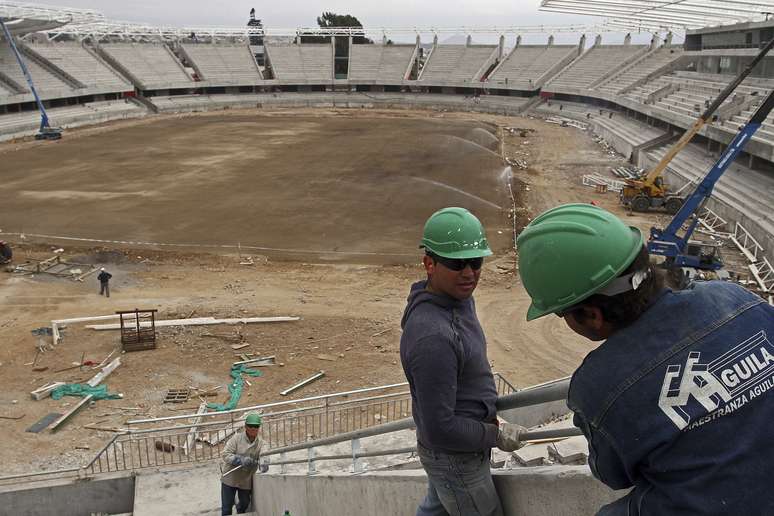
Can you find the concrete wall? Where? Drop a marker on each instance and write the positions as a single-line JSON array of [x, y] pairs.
[[539, 491], [110, 494], [617, 141]]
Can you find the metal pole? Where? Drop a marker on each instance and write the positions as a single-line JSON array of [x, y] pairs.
[[302, 383]]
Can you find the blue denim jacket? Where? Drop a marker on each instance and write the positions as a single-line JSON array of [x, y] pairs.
[[679, 404]]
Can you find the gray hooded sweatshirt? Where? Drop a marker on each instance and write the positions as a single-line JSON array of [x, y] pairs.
[[443, 352]]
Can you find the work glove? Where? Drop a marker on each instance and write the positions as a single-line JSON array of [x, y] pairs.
[[509, 436], [264, 467], [248, 462]]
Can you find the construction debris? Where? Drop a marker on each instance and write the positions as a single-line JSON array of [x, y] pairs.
[[574, 450], [45, 391], [44, 422], [99, 377], [190, 439], [260, 361], [303, 383], [56, 266], [239, 346], [59, 324], [177, 396], [199, 321]]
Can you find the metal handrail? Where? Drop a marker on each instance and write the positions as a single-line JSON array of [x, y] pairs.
[[551, 391], [536, 435], [266, 405]]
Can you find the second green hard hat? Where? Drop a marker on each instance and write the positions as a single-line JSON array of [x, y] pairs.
[[253, 419], [455, 233], [570, 252]]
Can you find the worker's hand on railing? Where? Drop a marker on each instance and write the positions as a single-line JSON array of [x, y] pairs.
[[509, 436]]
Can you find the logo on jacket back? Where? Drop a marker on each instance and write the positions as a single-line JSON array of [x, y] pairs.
[[707, 391]]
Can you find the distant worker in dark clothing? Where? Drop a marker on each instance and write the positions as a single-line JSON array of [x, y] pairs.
[[443, 353], [104, 282], [677, 399]]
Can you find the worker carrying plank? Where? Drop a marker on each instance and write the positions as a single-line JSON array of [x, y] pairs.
[[443, 353], [241, 457], [677, 400]]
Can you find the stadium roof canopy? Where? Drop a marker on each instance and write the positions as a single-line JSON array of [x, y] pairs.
[[661, 15], [23, 18]]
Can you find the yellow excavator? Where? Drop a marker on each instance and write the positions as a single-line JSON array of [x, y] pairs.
[[650, 190]]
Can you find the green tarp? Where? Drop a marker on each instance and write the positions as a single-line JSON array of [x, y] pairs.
[[82, 390], [235, 388]]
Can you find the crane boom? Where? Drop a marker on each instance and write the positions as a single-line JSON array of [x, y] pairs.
[[45, 131], [644, 193], [667, 242]]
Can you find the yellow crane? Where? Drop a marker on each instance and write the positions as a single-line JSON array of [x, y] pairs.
[[650, 191]]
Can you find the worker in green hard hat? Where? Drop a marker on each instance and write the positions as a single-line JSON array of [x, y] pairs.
[[660, 400], [241, 457], [443, 353]]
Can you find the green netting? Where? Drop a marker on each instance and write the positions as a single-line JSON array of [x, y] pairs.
[[235, 388], [82, 390]]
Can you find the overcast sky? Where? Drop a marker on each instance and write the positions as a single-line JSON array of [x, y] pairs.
[[298, 13]]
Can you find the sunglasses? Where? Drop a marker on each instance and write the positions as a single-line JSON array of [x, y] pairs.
[[457, 265]]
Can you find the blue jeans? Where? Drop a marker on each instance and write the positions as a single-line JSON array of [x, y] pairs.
[[458, 485], [227, 496]]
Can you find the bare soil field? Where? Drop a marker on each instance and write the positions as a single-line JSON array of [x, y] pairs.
[[334, 199]]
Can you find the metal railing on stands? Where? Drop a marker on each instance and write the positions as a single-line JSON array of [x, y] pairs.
[[551, 391], [317, 417]]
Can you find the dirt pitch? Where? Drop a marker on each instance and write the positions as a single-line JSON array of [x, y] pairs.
[[314, 186]]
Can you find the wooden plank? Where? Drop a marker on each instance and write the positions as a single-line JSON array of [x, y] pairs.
[[201, 321], [99, 377], [258, 361], [190, 439], [70, 413], [44, 422], [57, 322], [240, 346], [86, 274], [45, 391]]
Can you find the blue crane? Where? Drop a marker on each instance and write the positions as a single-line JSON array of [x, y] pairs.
[[46, 132], [680, 251]]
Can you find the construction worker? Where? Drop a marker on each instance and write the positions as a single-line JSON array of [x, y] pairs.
[[6, 253], [240, 462], [443, 353], [677, 399], [104, 282]]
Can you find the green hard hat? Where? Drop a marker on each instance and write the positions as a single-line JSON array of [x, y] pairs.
[[253, 419], [455, 233], [570, 252]]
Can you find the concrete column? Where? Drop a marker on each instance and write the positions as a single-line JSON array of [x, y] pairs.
[[581, 44], [518, 40], [384, 39], [551, 40], [627, 39], [419, 42], [469, 40], [435, 40], [501, 48], [598, 40], [668, 39]]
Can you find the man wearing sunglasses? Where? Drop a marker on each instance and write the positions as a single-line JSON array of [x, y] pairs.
[[443, 352], [677, 400]]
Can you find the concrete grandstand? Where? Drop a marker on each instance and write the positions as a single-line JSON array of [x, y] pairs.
[[639, 98]]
